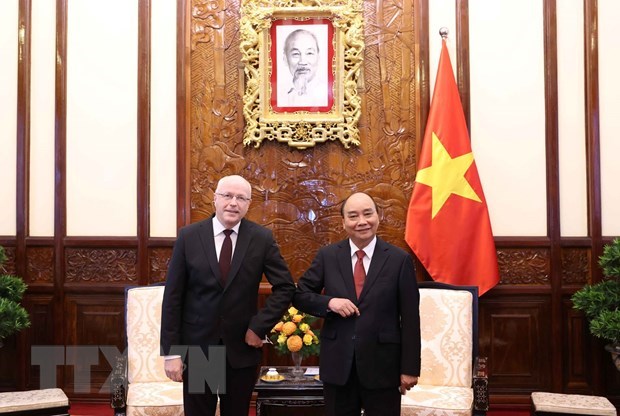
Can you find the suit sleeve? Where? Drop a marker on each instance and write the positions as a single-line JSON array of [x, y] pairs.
[[308, 297], [282, 290], [409, 303], [172, 306]]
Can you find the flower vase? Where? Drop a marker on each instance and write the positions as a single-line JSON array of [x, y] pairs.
[[297, 370]]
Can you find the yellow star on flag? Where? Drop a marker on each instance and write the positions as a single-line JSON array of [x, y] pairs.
[[447, 176]]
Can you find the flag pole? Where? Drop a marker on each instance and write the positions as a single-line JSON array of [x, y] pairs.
[[443, 32]]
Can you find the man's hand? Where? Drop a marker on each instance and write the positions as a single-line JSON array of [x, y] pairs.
[[407, 382], [174, 369], [252, 339], [343, 307]]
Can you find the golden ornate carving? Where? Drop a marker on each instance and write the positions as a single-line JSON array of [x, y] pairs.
[[301, 129]]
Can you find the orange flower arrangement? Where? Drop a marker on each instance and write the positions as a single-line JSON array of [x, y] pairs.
[[293, 334]]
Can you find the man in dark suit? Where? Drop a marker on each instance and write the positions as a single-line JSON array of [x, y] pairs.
[[211, 298], [366, 290]]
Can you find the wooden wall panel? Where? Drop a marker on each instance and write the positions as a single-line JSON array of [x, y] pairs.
[[41, 331], [515, 336], [9, 372], [94, 320], [576, 374]]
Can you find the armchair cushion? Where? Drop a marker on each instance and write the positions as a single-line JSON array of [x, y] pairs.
[[164, 398], [425, 400], [40, 402]]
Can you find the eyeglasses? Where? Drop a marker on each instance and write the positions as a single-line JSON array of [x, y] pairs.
[[229, 197]]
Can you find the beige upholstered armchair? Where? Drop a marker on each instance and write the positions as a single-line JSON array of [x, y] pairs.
[[453, 381], [149, 391]]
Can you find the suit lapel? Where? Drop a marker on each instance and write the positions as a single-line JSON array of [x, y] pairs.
[[379, 257], [241, 248], [208, 245], [346, 271]]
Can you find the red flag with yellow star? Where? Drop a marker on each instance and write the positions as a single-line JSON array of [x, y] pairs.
[[448, 226]]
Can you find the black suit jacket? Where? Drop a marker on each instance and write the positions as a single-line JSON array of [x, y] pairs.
[[198, 310], [385, 338]]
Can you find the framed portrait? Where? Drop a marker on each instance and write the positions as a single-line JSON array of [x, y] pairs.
[[302, 72], [301, 65]]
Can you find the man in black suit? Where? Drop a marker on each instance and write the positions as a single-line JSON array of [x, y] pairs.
[[209, 301], [370, 341]]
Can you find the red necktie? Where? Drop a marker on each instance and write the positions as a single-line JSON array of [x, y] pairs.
[[225, 256], [359, 274]]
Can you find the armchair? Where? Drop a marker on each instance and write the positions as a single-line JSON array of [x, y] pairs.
[[148, 390], [453, 379]]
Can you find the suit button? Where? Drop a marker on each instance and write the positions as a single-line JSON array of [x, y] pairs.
[[353, 337]]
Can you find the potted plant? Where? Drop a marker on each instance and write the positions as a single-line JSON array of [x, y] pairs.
[[13, 317], [601, 302]]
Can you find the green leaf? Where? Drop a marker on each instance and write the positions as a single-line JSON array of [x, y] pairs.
[[13, 317]]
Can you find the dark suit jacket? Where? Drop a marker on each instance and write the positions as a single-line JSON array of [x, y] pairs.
[[385, 338], [198, 310]]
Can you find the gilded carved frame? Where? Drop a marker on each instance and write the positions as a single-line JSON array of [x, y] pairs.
[[301, 126]]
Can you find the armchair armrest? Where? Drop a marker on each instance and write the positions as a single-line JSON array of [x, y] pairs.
[[118, 385], [481, 385]]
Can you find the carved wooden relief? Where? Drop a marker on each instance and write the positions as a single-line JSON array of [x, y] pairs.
[[158, 263], [39, 265], [297, 192], [524, 266], [575, 265], [101, 265]]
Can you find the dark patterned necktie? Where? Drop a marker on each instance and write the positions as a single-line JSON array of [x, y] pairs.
[[225, 256], [359, 274]]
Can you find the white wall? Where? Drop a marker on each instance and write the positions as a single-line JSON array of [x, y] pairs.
[[163, 121], [508, 113], [609, 87], [102, 118], [8, 114], [571, 120], [42, 113]]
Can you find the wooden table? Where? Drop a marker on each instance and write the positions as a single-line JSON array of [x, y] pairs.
[[293, 392]]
